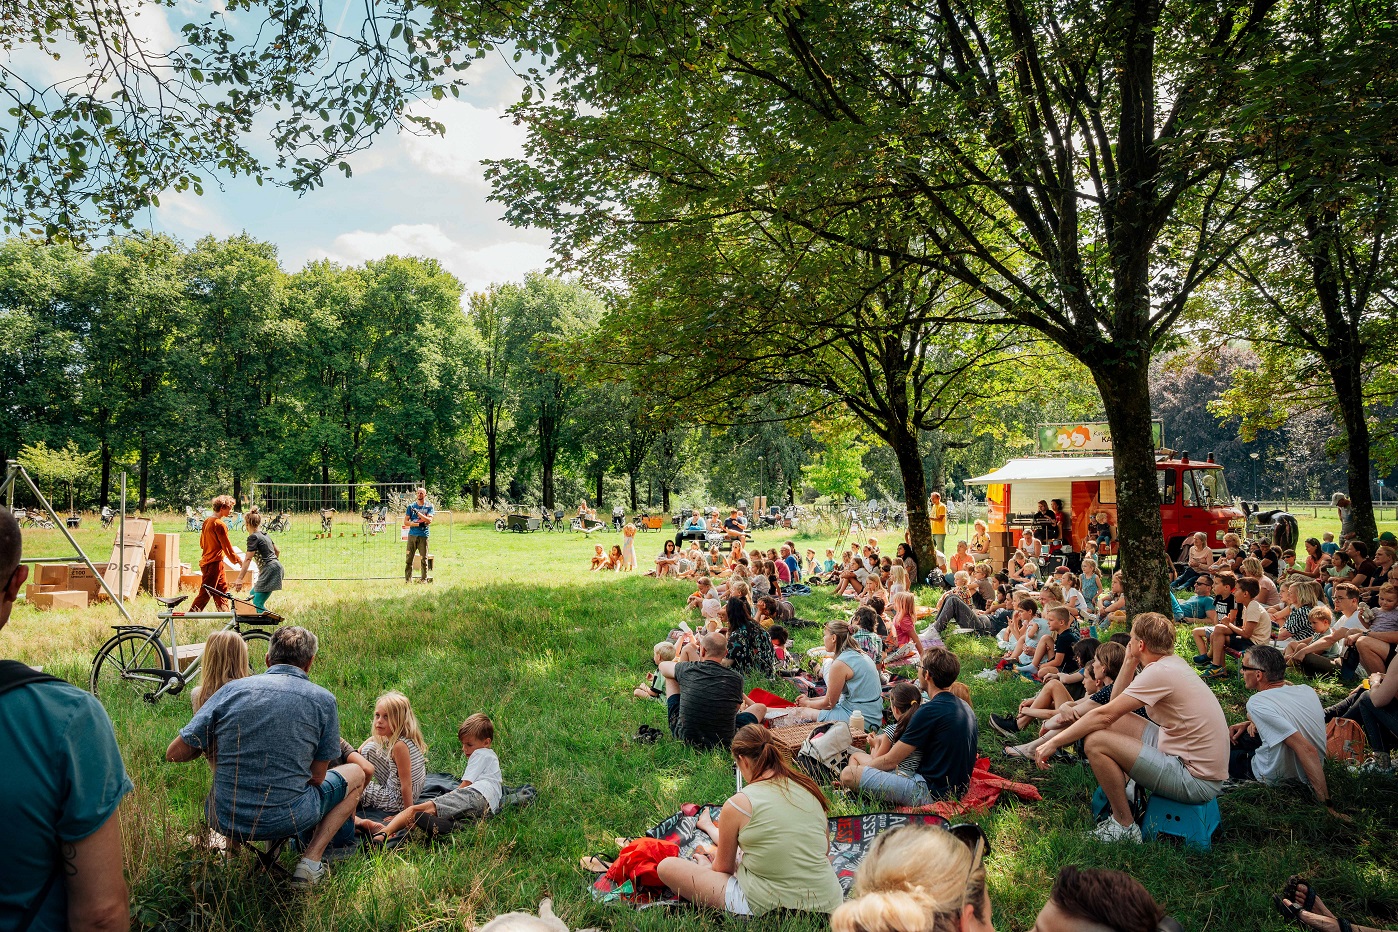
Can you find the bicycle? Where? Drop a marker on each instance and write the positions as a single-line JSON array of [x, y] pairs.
[[29, 519], [960, 513], [279, 524], [137, 660]]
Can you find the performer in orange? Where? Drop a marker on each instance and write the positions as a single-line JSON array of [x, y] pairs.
[[214, 545]]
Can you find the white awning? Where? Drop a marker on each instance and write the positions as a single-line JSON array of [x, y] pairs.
[[1048, 468]]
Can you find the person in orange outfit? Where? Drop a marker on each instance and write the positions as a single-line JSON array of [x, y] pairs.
[[214, 545]]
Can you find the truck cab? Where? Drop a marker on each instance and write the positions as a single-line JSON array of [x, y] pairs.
[[1194, 497]]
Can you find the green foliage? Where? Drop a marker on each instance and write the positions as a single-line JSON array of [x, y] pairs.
[[67, 466], [838, 471]]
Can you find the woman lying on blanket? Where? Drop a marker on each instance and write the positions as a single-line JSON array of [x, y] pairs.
[[779, 821]]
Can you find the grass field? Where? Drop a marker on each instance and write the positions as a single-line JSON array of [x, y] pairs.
[[515, 626]]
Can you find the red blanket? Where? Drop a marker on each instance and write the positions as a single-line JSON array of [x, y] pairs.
[[983, 793], [770, 700]]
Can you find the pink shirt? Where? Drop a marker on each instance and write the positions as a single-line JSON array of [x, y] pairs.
[[904, 630], [1192, 726]]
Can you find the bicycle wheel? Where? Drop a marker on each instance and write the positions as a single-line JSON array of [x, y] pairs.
[[113, 669], [953, 523], [257, 640]]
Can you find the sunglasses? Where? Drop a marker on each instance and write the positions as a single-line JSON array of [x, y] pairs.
[[973, 837], [1245, 667]]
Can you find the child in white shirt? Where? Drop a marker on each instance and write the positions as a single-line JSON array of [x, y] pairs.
[[478, 796]]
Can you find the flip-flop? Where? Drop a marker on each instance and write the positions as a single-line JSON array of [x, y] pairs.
[[595, 863], [622, 842], [1012, 751]]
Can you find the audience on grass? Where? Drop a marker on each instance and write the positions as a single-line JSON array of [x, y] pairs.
[[1254, 626], [778, 821], [276, 735], [942, 731], [1181, 752], [64, 778], [1378, 714]]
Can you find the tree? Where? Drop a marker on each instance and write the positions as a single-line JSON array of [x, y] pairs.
[[41, 329], [490, 375], [540, 317], [138, 312], [838, 469], [236, 293], [1316, 293], [67, 466], [131, 119], [1062, 162]]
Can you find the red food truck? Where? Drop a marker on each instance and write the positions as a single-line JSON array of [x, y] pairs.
[[1193, 494]]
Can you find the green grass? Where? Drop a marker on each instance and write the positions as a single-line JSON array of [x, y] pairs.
[[516, 627]]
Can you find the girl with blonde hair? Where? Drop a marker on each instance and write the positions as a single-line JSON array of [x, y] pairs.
[[225, 659], [779, 821], [897, 580], [398, 752], [920, 878]]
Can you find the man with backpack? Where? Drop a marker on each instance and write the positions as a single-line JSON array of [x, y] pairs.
[[64, 779]]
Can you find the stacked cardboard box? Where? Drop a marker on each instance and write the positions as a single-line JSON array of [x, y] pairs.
[[51, 588], [61, 598], [1001, 546], [140, 539], [190, 581], [166, 553], [80, 577]]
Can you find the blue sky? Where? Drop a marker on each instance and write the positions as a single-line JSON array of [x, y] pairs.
[[409, 195]]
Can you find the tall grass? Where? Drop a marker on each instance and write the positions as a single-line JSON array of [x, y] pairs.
[[515, 626]]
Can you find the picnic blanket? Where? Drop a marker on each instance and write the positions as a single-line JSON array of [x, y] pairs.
[[850, 837], [984, 792]]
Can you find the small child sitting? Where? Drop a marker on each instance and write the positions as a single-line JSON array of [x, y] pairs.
[[780, 638], [599, 557], [706, 588], [1099, 529], [1328, 545], [478, 796], [663, 652]]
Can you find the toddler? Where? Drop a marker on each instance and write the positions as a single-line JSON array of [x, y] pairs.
[[664, 651]]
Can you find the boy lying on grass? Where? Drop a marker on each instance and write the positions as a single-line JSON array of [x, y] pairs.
[[478, 796]]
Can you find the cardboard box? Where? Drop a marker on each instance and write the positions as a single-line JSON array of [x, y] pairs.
[[80, 577], [50, 574], [165, 550], [62, 598], [33, 589], [167, 581], [191, 581]]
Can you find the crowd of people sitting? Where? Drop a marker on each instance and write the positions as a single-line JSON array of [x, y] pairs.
[[1123, 702]]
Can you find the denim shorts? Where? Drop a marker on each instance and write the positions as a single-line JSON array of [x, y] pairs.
[[332, 792], [894, 787]]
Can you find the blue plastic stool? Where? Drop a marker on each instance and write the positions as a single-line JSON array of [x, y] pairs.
[[1195, 824]]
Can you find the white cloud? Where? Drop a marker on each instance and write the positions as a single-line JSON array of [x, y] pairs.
[[472, 133], [189, 215], [477, 268]]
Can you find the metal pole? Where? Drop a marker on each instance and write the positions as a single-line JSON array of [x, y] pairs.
[[121, 546]]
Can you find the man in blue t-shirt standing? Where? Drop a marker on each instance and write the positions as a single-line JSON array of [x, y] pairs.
[[64, 779], [942, 733], [417, 519]]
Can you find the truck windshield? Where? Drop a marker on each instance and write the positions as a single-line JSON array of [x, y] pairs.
[[1212, 490]]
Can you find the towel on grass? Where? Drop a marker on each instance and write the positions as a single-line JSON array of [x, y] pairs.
[[984, 792]]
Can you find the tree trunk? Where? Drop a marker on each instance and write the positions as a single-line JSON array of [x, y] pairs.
[[598, 500], [547, 455], [491, 455], [324, 476], [665, 497], [631, 477], [1125, 390], [475, 495], [237, 489], [144, 474], [104, 494], [905, 450]]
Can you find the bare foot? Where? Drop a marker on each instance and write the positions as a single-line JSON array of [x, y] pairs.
[[706, 822]]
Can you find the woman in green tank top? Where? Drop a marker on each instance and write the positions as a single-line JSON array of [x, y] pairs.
[[779, 822]]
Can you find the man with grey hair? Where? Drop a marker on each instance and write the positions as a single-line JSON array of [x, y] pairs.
[[275, 736], [1283, 738], [63, 780]]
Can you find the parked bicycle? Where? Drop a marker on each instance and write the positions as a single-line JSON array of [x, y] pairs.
[[144, 661], [375, 520], [30, 519], [282, 522]]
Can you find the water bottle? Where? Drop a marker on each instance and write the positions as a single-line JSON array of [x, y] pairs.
[[856, 721]]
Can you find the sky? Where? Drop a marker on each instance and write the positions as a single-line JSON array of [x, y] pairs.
[[409, 195]]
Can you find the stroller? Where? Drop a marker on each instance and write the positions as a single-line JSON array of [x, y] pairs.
[[618, 517]]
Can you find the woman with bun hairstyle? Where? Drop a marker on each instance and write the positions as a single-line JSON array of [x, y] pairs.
[[779, 821], [920, 878]]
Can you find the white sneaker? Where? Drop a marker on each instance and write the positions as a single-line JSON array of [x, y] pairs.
[[1110, 830], [308, 873]]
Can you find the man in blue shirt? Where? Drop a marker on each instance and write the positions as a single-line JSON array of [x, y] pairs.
[[273, 737], [417, 518], [63, 781]]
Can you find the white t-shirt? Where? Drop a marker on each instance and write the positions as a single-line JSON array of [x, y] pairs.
[[1279, 713], [483, 772], [1349, 621]]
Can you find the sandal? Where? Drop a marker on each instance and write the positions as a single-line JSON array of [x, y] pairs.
[[595, 863], [1013, 752], [1289, 892]]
